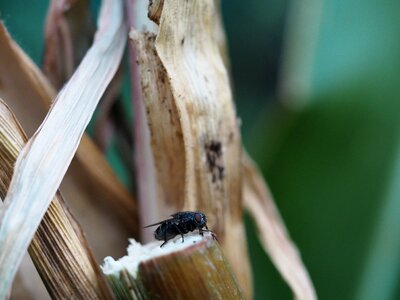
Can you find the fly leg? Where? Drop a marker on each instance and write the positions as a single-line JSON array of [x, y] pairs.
[[180, 232], [208, 230], [165, 239], [201, 231]]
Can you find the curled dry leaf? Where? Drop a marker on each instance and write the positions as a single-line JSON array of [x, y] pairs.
[[272, 232], [45, 158], [194, 134]]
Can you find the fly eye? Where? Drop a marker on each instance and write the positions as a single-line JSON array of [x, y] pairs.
[[198, 217]]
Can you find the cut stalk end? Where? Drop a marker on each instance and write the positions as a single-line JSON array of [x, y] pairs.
[[195, 268]]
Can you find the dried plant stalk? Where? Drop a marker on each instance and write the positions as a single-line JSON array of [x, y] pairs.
[[194, 134], [273, 234], [45, 158], [58, 249], [196, 269], [207, 117]]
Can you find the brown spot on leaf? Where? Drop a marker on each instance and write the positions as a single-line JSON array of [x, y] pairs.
[[214, 160]]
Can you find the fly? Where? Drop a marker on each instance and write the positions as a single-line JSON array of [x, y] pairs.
[[180, 224]]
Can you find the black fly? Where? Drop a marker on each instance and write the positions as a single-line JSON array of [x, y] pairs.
[[180, 224]]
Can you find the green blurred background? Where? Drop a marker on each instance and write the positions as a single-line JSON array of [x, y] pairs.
[[317, 87]]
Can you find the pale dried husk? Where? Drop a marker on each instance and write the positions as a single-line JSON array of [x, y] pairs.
[[90, 182], [45, 158]]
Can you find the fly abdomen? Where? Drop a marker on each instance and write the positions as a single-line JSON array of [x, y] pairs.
[[166, 231]]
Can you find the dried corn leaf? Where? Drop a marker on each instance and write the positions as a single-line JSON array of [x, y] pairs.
[[191, 56], [22, 85], [200, 85], [193, 128], [272, 232], [12, 139], [58, 249], [45, 159], [68, 34]]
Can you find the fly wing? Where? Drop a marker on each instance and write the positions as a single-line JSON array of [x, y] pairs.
[[159, 223]]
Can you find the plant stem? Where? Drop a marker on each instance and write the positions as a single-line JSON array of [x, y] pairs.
[[191, 271]]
